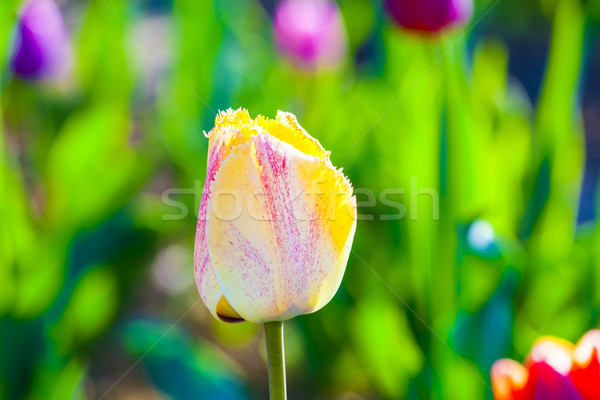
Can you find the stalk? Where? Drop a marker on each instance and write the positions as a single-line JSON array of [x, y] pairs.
[[276, 359]]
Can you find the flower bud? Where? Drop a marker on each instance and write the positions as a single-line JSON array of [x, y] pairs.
[[276, 221]]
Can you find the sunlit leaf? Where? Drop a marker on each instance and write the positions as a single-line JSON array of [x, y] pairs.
[[385, 345], [92, 167]]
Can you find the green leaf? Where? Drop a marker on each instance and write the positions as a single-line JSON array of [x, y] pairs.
[[460, 380], [90, 310], [184, 98], [101, 51], [386, 346], [92, 168], [59, 382], [559, 136]]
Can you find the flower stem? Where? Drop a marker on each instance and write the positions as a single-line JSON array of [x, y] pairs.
[[276, 358]]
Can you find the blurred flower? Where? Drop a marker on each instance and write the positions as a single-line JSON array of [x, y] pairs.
[[276, 221], [310, 33], [430, 15], [42, 48], [481, 235], [554, 370], [170, 269]]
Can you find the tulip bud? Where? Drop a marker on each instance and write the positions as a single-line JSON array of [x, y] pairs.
[[430, 15], [276, 221], [310, 33], [42, 48]]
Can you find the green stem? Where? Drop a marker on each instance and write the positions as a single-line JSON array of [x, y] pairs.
[[275, 355]]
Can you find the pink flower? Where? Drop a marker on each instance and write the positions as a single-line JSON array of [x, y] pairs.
[[310, 33]]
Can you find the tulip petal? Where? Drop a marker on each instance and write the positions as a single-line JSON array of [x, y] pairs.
[[287, 129], [509, 380], [222, 140], [550, 361], [279, 230], [555, 352], [586, 371], [232, 119], [549, 384]]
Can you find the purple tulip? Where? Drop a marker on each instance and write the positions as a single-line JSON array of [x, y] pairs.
[[310, 33], [42, 47], [430, 15]]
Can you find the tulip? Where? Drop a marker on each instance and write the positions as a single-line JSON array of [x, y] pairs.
[[42, 48], [275, 226], [554, 370], [430, 15], [310, 33], [285, 253]]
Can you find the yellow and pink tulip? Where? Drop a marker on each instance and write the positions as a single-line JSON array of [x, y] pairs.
[[276, 221]]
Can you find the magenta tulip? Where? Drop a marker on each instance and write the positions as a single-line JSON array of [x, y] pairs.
[[430, 15]]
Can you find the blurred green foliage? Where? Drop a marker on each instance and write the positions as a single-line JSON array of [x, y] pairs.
[[98, 299]]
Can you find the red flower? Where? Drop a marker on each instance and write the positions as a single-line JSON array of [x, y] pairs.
[[554, 370]]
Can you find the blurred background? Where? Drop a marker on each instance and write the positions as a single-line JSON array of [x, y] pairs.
[[494, 122]]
